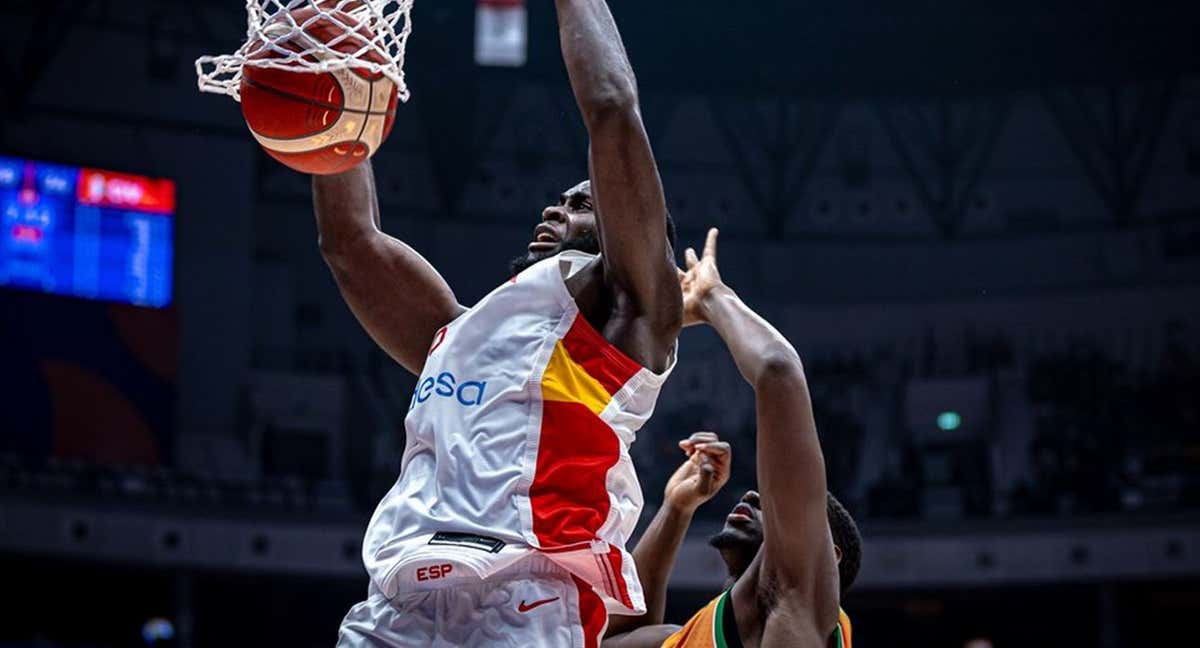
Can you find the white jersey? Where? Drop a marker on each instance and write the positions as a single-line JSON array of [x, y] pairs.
[[518, 439]]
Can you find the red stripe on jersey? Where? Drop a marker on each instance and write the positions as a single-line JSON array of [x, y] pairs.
[[569, 494], [592, 614], [603, 361], [614, 561]]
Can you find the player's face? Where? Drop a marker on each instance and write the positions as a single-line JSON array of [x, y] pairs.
[[573, 217], [744, 522], [742, 534], [569, 224]]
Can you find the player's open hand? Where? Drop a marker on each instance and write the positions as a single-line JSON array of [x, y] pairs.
[[702, 475], [700, 280]]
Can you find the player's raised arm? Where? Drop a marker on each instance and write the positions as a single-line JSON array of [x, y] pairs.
[[394, 292], [631, 211], [798, 569]]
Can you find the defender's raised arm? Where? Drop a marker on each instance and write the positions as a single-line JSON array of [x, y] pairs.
[[630, 207], [394, 292], [798, 565]]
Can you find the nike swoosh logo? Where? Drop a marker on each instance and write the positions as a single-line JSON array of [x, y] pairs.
[[525, 608]]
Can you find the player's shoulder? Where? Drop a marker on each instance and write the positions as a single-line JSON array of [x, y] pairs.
[[768, 612]]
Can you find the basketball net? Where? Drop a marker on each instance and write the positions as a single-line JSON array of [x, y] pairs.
[[276, 39]]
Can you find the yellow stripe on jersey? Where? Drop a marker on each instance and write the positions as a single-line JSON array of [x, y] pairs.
[[566, 381]]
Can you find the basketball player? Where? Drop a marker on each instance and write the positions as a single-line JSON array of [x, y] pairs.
[[508, 522], [791, 554]]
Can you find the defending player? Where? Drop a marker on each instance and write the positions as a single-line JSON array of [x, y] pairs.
[[790, 557], [508, 522]]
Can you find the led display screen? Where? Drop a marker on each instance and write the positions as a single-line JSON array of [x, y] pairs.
[[87, 233]]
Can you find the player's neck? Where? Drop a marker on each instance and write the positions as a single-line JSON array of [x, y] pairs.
[[736, 562]]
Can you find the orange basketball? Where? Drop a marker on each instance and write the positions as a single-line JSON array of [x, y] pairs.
[[319, 122]]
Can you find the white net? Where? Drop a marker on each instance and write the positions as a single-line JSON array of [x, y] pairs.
[[315, 36]]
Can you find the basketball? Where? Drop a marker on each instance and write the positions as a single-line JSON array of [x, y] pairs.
[[318, 122]]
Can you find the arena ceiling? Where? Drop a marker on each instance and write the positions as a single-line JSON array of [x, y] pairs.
[[799, 47], [870, 47]]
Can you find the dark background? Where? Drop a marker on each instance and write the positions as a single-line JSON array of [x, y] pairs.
[[986, 208]]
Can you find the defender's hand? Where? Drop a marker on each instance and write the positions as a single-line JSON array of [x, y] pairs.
[[700, 280], [702, 475]]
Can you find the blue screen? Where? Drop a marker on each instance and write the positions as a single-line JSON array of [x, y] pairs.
[[86, 233]]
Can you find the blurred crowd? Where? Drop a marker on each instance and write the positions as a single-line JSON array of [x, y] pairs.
[[1105, 435]]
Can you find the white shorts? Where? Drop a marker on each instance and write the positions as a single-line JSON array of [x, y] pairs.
[[531, 605]]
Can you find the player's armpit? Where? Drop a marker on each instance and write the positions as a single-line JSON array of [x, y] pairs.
[[791, 624]]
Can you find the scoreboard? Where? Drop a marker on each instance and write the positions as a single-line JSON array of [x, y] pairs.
[[86, 233]]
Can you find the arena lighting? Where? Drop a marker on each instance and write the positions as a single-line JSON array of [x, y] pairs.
[[156, 630], [948, 421], [500, 33]]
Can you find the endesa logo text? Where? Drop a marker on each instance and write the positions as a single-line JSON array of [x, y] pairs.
[[446, 385]]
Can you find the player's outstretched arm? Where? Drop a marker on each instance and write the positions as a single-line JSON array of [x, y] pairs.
[[630, 207], [394, 292], [696, 481], [797, 572]]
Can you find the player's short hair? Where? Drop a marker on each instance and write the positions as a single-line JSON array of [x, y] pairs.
[[847, 538]]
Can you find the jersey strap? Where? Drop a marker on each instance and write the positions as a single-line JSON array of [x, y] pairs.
[[841, 634], [725, 629]]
